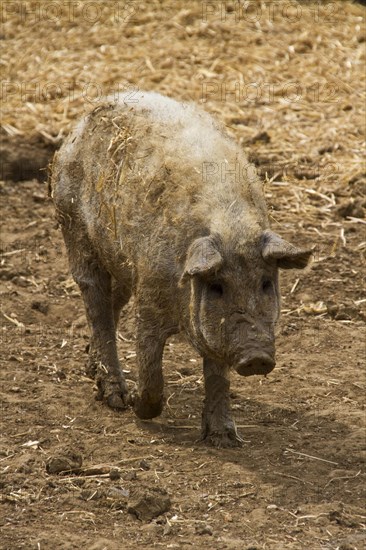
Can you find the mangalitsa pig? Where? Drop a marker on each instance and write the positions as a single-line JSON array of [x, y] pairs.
[[155, 200]]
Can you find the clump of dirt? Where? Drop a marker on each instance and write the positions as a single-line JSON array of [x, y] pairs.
[[147, 503], [64, 460]]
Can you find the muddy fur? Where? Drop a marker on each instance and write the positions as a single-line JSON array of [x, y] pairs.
[[155, 199]]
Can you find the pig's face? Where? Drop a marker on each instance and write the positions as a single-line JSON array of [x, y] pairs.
[[234, 300]]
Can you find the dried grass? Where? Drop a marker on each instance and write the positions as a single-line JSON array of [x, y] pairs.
[[287, 78]]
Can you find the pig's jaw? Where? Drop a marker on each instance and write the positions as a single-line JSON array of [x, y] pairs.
[[255, 363]]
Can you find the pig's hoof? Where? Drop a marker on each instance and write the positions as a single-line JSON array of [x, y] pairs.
[[223, 440], [228, 437], [112, 394], [146, 409], [116, 401]]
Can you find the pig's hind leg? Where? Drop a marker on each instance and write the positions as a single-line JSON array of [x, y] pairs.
[[96, 287], [218, 428]]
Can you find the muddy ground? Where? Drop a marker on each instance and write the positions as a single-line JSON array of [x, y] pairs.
[[298, 481]]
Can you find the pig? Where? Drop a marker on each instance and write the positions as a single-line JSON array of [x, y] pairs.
[[156, 201]]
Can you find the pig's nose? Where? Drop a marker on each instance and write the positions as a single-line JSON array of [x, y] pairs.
[[260, 363]]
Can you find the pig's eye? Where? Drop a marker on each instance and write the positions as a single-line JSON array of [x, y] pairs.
[[267, 286], [215, 290]]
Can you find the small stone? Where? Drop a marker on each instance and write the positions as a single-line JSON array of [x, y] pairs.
[[205, 530], [114, 474], [61, 375], [40, 305], [238, 485], [144, 465]]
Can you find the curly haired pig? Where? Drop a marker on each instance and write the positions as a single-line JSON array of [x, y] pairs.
[[155, 200]]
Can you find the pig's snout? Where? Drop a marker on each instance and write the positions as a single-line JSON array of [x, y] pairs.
[[258, 363], [255, 352]]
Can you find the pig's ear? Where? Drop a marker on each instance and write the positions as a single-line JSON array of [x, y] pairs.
[[203, 258], [287, 256]]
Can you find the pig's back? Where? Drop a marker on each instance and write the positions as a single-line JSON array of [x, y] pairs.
[[134, 170]]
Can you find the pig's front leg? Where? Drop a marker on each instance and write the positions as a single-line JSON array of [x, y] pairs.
[[218, 428], [151, 336]]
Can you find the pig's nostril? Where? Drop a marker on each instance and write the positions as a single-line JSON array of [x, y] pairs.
[[258, 364]]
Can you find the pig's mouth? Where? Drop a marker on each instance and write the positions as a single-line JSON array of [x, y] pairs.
[[260, 363]]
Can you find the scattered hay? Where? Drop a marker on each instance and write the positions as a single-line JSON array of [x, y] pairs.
[[295, 99]]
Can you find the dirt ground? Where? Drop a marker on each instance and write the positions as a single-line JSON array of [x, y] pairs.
[[298, 481]]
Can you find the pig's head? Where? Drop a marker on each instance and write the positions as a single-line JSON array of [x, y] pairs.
[[234, 298]]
